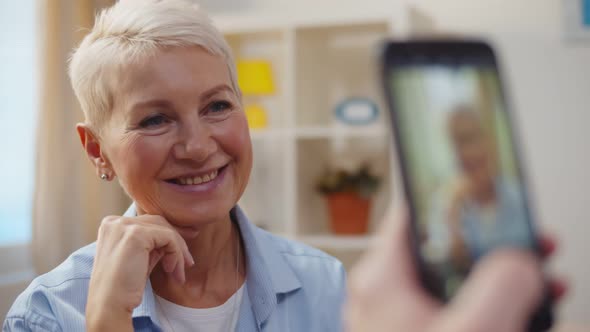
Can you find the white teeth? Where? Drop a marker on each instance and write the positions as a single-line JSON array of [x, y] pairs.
[[197, 179]]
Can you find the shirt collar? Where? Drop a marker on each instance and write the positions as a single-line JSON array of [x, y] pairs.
[[267, 273]]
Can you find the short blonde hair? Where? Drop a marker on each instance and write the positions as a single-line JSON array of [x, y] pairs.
[[130, 31]]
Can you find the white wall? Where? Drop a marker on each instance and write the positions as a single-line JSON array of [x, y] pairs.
[[550, 89], [550, 84]]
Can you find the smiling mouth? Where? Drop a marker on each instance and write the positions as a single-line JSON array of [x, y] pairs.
[[197, 179]]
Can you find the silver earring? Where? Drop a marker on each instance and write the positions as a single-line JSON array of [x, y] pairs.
[[103, 176]]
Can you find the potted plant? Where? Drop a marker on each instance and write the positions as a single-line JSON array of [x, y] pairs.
[[348, 195]]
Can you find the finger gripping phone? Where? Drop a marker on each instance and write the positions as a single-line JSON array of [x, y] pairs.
[[458, 155]]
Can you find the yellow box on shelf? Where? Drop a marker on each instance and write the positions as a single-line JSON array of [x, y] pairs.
[[255, 80]]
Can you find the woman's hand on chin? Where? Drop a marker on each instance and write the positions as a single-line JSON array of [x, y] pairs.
[[128, 249]]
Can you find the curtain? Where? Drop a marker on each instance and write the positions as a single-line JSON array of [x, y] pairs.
[[69, 200]]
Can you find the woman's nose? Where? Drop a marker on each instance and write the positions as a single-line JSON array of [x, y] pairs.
[[195, 142]]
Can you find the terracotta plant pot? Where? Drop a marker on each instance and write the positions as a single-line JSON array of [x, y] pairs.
[[349, 213]]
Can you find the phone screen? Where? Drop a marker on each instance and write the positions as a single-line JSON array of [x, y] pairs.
[[461, 170]]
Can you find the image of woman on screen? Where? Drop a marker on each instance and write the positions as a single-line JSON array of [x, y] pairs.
[[486, 207], [481, 207]]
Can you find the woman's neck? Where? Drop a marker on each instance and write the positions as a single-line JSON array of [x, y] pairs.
[[217, 272], [485, 193]]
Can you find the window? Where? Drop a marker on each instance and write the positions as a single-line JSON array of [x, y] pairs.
[[18, 109]]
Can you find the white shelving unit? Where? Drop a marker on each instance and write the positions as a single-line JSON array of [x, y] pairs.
[[316, 64]]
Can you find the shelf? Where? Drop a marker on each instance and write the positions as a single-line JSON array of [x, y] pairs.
[[318, 132], [334, 132], [337, 242], [263, 134], [335, 62], [315, 156], [252, 23], [317, 63]]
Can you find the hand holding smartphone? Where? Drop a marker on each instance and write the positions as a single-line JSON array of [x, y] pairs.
[[461, 170]]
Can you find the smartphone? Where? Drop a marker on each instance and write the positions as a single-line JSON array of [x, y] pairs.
[[459, 159]]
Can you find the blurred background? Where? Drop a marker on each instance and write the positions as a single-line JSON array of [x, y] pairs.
[[318, 123]]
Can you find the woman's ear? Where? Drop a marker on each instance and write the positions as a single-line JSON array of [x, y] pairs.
[[93, 150]]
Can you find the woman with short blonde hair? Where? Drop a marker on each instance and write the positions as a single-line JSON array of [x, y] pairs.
[[163, 116]]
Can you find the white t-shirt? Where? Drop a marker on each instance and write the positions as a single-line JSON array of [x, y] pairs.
[[222, 318]]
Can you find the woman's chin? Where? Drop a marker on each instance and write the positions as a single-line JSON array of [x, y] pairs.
[[198, 217], [187, 232]]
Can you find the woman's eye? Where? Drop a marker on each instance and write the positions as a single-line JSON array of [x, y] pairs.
[[219, 106], [153, 121]]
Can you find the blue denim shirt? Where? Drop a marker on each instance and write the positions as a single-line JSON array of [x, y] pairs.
[[290, 287], [508, 225]]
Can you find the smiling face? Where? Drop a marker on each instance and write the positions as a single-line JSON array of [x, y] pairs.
[[177, 138], [473, 147]]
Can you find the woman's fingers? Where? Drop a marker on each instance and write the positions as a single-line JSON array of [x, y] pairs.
[[160, 223], [169, 262], [383, 289], [178, 272], [174, 266], [176, 253], [162, 242], [187, 257], [558, 288], [547, 244], [508, 284], [127, 251], [155, 257]]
